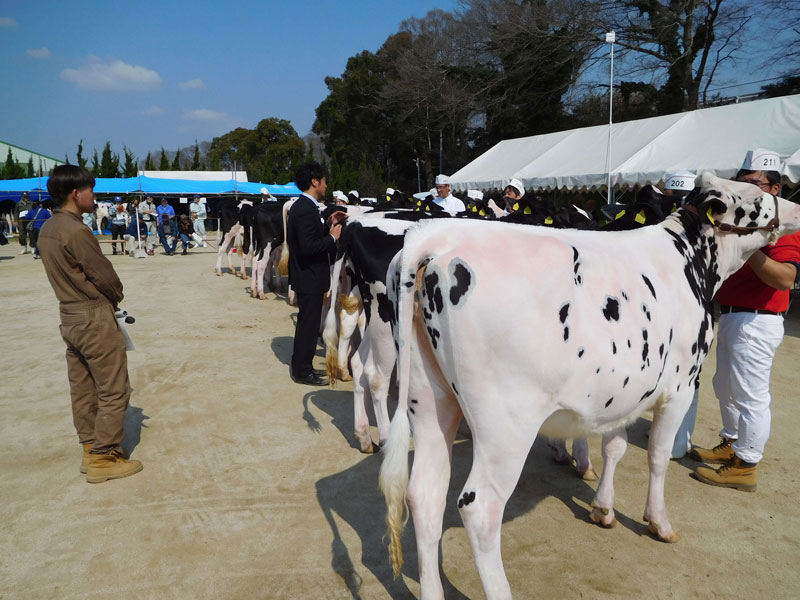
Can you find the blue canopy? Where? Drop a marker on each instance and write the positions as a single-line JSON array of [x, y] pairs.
[[37, 187]]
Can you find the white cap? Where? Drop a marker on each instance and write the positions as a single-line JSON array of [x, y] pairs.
[[354, 193], [517, 185], [264, 191], [389, 191], [761, 160], [682, 181], [442, 179], [475, 194], [339, 195]]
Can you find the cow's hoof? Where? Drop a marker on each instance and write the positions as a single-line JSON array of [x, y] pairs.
[[262, 296], [345, 377], [588, 475], [604, 517], [372, 449], [669, 538], [219, 273]]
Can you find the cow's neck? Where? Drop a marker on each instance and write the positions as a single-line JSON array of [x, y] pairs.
[[697, 244]]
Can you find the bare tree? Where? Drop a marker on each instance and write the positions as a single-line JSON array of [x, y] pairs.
[[687, 41]]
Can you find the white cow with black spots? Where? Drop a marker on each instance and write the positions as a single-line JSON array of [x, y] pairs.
[[584, 343]]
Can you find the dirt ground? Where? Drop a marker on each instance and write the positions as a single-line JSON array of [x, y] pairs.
[[252, 486]]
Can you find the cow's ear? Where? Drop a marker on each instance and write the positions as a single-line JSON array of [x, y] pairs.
[[706, 201]]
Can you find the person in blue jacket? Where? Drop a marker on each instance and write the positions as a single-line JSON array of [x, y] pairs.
[[36, 216]]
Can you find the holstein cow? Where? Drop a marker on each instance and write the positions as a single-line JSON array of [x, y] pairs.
[[234, 221], [267, 238], [585, 343]]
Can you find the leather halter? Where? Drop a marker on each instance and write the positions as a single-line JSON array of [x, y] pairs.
[[772, 226]]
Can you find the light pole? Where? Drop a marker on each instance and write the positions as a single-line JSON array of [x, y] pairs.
[[419, 179], [611, 37]]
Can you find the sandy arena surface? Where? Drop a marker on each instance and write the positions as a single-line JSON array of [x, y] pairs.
[[252, 486]]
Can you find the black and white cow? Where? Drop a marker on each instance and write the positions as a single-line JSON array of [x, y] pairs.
[[267, 240], [586, 343], [235, 222]]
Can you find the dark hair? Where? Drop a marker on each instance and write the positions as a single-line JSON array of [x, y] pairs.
[[65, 178], [773, 177], [306, 172]]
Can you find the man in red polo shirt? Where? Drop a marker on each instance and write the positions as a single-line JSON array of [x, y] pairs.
[[752, 302]]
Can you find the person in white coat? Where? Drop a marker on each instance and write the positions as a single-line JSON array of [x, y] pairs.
[[445, 198]]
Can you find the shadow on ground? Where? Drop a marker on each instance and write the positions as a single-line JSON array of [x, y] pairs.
[[132, 425], [353, 495]]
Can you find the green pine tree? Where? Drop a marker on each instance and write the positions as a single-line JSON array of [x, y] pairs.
[[95, 165], [163, 164], [148, 163], [176, 164], [131, 168], [196, 157], [80, 159]]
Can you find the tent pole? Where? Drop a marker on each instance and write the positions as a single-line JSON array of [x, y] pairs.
[[610, 38]]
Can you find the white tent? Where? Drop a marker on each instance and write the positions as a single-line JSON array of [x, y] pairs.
[[711, 139]]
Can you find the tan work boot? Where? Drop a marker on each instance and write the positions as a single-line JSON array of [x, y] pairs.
[[735, 474], [103, 467], [718, 455], [85, 460]]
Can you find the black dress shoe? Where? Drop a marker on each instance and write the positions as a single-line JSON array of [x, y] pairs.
[[320, 372], [310, 379]]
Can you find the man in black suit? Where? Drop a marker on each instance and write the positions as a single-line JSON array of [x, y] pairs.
[[311, 250]]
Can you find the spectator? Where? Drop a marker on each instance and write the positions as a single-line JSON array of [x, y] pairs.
[[118, 217], [136, 233], [199, 214], [444, 198], [36, 218], [21, 223], [184, 232], [339, 197], [752, 304], [149, 215], [166, 214]]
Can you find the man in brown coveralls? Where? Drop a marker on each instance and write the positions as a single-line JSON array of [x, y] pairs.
[[88, 291]]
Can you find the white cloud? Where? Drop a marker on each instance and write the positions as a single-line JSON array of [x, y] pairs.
[[42, 52], [192, 84], [203, 114], [8, 22], [114, 76], [153, 111]]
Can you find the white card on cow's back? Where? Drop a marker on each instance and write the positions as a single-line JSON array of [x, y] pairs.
[[129, 345]]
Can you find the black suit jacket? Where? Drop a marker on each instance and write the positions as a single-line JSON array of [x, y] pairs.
[[311, 248]]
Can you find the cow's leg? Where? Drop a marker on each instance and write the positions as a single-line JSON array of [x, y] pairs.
[[666, 421], [434, 419], [348, 321], [614, 445], [224, 250], [500, 447], [384, 358], [362, 357], [581, 460], [558, 451]]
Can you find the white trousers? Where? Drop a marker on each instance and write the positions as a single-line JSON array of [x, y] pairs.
[[746, 345]]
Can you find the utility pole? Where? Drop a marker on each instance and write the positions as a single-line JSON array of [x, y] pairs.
[[441, 153]]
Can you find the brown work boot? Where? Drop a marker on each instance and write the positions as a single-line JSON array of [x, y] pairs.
[[103, 467], [736, 474], [718, 455], [85, 460]]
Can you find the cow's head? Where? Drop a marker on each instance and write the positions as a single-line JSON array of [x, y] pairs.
[[743, 209], [743, 218]]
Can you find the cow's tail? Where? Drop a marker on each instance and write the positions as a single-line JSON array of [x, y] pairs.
[[330, 333], [283, 264], [394, 469]]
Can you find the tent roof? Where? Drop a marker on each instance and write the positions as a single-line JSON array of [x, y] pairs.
[[642, 151], [150, 185]]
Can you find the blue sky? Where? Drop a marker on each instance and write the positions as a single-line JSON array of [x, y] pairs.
[[147, 74]]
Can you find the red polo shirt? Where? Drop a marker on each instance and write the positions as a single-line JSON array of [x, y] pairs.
[[745, 289]]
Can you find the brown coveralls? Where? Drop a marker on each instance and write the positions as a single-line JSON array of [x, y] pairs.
[[88, 290]]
